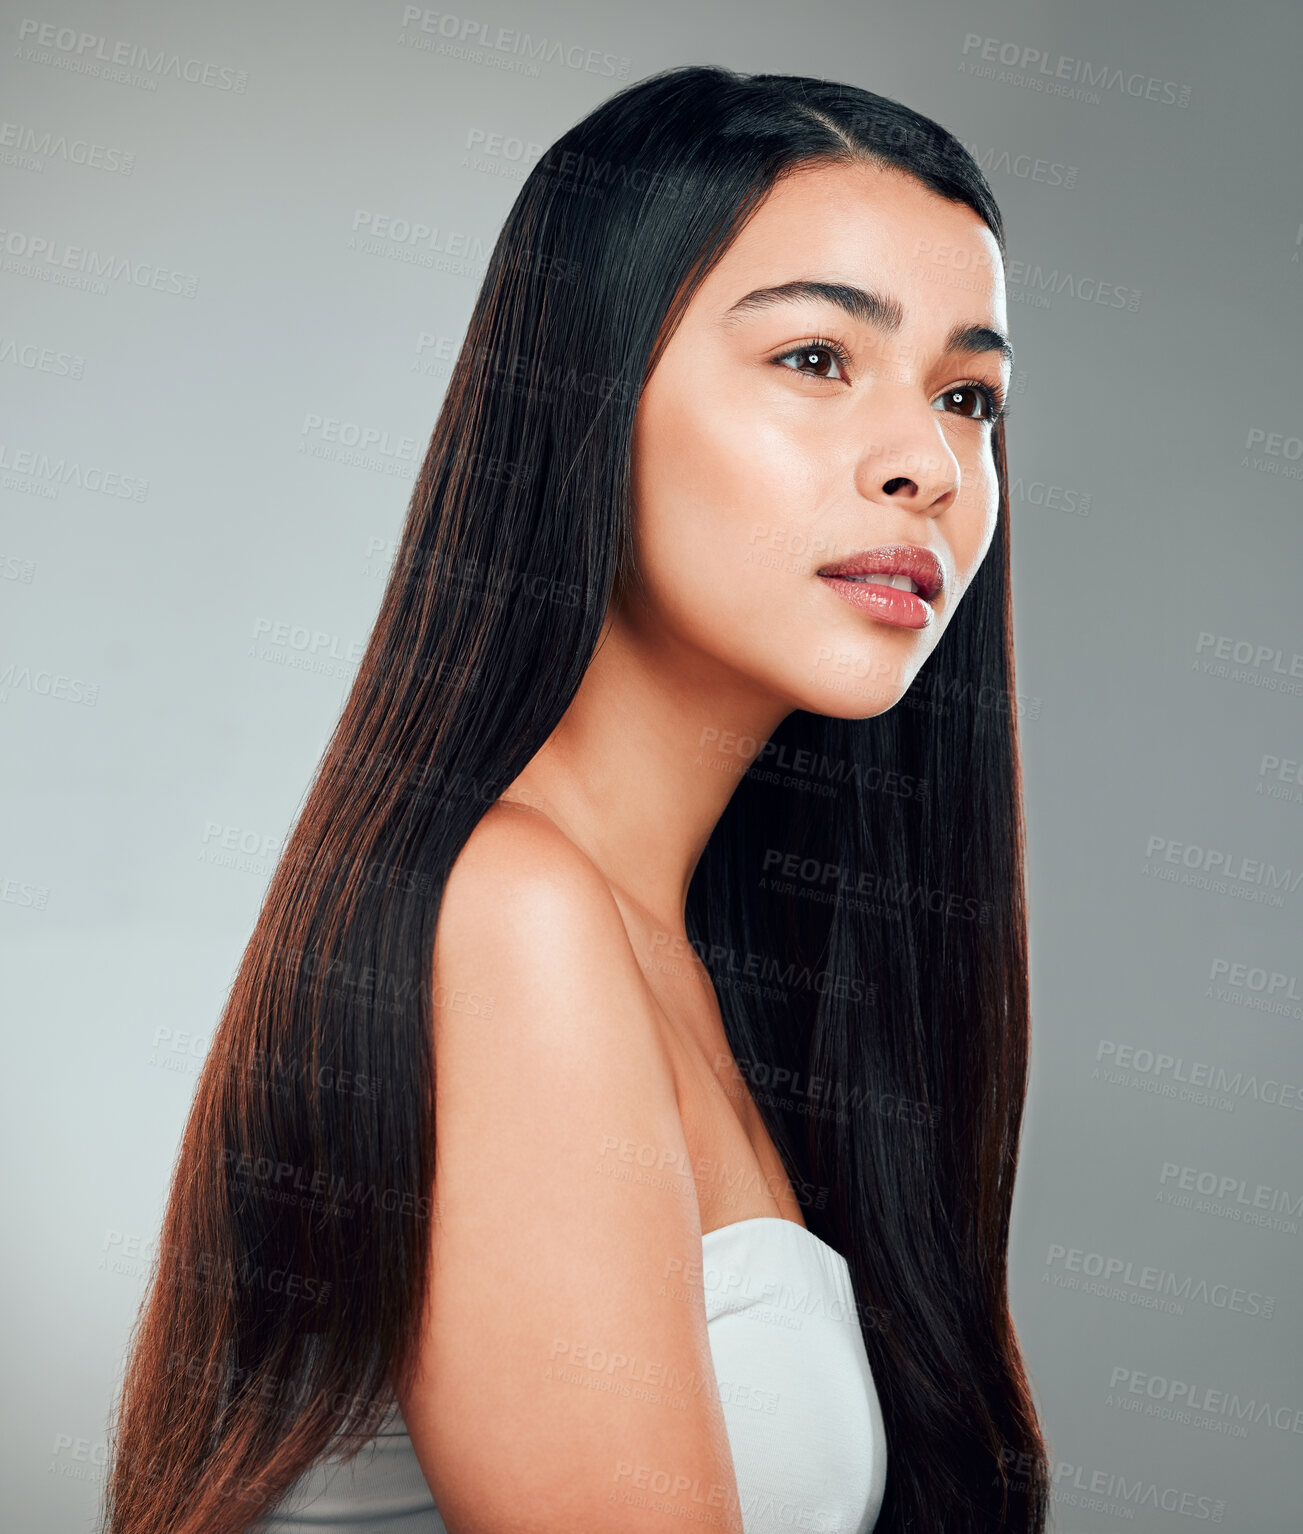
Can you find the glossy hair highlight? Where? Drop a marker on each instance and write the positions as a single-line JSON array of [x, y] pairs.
[[875, 994]]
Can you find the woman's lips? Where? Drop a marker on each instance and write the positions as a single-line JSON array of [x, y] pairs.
[[911, 559], [888, 604], [894, 583]]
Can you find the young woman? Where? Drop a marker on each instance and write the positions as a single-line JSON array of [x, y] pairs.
[[667, 857]]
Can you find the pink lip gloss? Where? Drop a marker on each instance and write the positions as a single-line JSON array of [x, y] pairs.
[[888, 604]]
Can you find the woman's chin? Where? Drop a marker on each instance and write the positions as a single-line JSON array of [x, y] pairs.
[[850, 697]]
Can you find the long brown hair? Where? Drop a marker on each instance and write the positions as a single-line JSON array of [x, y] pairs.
[[293, 1265]]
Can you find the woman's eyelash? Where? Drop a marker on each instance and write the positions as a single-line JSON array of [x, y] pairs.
[[819, 344], [996, 407]]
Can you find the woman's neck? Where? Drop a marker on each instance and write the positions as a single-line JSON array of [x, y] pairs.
[[644, 761]]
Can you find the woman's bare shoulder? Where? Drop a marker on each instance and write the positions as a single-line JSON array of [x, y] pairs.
[[520, 887], [525, 911]]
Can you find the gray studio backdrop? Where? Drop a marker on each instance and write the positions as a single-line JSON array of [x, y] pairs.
[[239, 245]]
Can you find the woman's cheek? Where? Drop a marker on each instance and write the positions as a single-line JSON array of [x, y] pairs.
[[970, 525], [716, 585]]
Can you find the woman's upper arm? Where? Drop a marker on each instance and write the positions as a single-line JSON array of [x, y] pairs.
[[564, 1378]]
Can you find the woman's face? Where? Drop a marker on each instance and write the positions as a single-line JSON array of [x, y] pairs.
[[786, 432]]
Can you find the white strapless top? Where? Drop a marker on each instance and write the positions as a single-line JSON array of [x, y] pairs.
[[803, 1418]]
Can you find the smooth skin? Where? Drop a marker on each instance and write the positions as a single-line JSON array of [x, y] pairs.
[[555, 1247]]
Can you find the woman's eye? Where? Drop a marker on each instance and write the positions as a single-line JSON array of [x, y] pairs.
[[820, 360], [973, 400]]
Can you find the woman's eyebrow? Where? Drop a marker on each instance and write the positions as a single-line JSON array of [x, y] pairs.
[[868, 308]]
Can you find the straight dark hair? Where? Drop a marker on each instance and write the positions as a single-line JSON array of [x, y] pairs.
[[860, 904]]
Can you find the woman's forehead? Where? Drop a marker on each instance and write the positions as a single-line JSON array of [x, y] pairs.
[[864, 230]]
